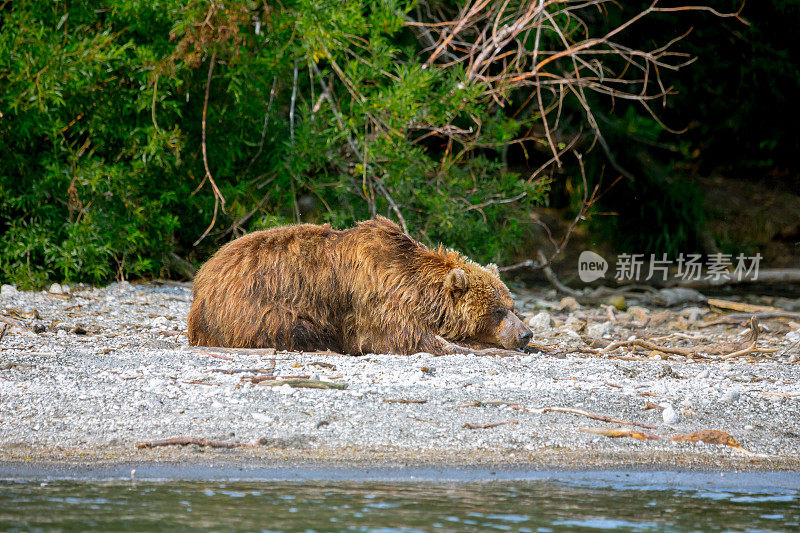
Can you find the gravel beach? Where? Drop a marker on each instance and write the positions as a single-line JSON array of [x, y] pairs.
[[87, 373]]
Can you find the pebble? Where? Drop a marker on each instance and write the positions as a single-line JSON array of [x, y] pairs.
[[730, 396], [669, 415], [704, 374], [55, 288], [159, 322], [286, 390], [598, 331], [568, 304], [541, 322], [8, 290], [793, 336], [572, 337], [692, 313], [574, 324]]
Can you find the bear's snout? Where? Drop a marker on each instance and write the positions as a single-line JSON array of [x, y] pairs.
[[513, 334]]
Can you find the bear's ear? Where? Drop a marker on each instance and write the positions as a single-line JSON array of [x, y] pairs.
[[491, 267], [456, 281]]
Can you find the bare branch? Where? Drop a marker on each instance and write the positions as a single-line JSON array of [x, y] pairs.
[[219, 200]]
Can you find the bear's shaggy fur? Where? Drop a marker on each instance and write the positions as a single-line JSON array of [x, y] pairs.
[[366, 289]]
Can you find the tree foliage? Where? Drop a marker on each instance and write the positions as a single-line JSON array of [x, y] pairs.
[[135, 134]]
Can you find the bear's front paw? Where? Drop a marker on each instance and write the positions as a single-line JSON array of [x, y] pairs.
[[448, 347]]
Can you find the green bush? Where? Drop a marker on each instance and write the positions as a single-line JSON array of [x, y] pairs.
[[101, 133]]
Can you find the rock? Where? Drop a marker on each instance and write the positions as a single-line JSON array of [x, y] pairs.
[[668, 372], [639, 314], [285, 389], [55, 288], [541, 322], [574, 324], [8, 290], [691, 313], [598, 331], [159, 322], [676, 296], [704, 374], [669, 416], [792, 336], [568, 304], [730, 396], [572, 337]]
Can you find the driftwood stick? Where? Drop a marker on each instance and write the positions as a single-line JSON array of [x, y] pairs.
[[403, 400], [306, 384], [14, 323], [241, 370], [184, 441], [271, 377], [736, 318], [591, 415], [488, 426], [727, 305]]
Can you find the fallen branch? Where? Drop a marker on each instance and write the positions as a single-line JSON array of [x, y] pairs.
[[403, 400], [590, 415], [716, 304], [556, 409], [754, 329], [641, 343], [737, 318]]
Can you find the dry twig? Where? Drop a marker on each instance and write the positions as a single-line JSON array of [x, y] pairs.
[[219, 200]]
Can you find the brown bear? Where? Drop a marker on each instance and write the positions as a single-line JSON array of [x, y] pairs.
[[367, 289]]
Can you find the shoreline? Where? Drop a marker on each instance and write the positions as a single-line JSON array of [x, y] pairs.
[[90, 373], [275, 469]]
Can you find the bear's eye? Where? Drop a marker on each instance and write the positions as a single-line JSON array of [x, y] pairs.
[[499, 313]]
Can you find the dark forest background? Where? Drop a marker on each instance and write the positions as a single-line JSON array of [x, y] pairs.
[[137, 137]]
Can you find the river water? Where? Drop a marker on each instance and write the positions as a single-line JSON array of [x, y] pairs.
[[463, 500]]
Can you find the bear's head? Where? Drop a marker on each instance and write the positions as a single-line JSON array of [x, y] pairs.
[[484, 310]]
